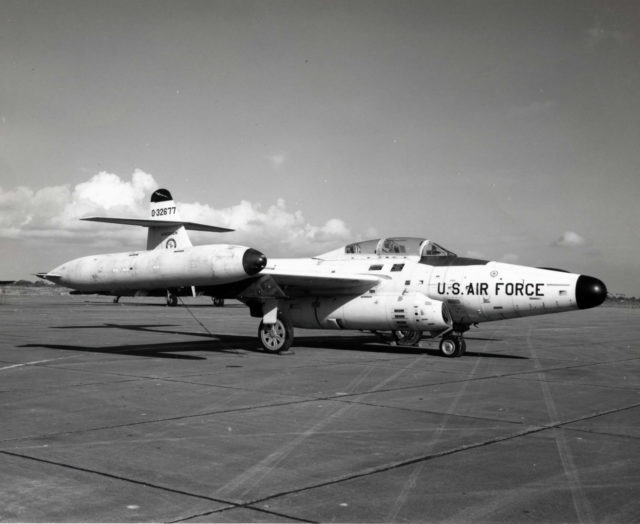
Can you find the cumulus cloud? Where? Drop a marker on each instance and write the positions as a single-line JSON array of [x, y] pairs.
[[53, 213], [276, 230], [107, 191], [570, 239]]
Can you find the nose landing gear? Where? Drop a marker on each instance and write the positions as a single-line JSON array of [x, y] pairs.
[[452, 346]]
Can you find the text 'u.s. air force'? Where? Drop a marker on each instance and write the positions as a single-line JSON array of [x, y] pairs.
[[528, 289]]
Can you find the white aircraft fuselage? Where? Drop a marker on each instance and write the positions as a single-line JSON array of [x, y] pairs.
[[418, 295], [413, 288]]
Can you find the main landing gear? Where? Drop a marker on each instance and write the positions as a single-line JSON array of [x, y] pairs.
[[276, 338], [406, 337], [452, 346], [172, 299]]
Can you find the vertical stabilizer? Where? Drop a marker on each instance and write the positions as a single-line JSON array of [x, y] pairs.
[[165, 236]]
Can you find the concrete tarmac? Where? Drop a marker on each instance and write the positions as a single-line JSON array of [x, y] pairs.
[[136, 412]]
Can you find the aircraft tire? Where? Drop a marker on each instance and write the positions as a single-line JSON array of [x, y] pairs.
[[276, 338], [451, 347], [218, 302], [172, 300], [407, 337]]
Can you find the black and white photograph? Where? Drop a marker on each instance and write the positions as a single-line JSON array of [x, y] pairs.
[[354, 261]]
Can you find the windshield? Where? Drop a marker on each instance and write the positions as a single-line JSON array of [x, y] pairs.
[[431, 249], [407, 246]]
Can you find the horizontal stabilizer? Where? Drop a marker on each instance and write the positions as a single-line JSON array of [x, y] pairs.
[[192, 226], [49, 276]]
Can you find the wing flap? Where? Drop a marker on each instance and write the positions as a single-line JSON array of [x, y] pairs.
[[192, 226], [318, 284]]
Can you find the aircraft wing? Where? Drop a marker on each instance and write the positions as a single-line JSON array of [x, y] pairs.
[[305, 283], [192, 226]]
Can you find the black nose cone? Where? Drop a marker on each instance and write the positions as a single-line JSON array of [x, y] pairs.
[[590, 292], [253, 261]]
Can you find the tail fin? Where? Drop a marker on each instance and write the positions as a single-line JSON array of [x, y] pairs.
[[166, 229], [166, 236]]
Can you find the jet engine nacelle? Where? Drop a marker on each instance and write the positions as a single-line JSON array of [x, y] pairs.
[[160, 268], [413, 311]]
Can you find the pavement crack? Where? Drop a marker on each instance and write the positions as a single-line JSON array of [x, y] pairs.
[[531, 430], [242, 506], [228, 505], [153, 421], [116, 477]]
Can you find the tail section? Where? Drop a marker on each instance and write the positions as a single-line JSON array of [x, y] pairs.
[[166, 236], [166, 230]]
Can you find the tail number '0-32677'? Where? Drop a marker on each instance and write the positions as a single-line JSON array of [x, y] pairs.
[[499, 288], [163, 211]]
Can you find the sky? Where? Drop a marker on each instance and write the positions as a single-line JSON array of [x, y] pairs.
[[505, 130]]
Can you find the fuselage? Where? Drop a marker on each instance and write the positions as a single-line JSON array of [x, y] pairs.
[[432, 292]]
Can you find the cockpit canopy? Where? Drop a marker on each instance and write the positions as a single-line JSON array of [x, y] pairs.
[[403, 246]]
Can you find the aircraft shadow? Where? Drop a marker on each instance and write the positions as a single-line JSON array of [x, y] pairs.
[[170, 350], [230, 343], [143, 327], [372, 344]]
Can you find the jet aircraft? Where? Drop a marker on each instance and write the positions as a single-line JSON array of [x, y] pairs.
[[412, 288]]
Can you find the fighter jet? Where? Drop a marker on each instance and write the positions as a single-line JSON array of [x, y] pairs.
[[169, 266], [403, 287]]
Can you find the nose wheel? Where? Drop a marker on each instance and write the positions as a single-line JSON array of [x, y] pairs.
[[452, 346]]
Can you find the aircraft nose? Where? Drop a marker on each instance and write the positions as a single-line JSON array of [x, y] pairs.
[[590, 292], [253, 261]]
